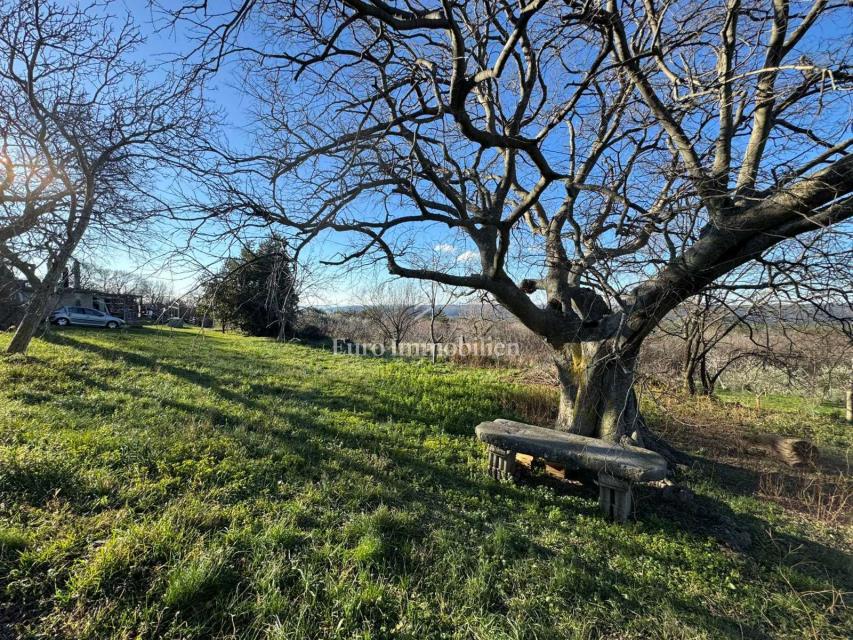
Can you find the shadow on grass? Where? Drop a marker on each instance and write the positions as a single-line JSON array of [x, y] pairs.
[[193, 376], [322, 448]]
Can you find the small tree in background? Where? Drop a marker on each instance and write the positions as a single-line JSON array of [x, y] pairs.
[[438, 298], [393, 309], [256, 291]]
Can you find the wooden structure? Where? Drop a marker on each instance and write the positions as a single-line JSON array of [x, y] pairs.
[[618, 466]]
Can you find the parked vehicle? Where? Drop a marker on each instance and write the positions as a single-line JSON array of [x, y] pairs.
[[85, 317]]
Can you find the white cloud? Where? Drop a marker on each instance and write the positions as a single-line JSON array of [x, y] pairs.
[[445, 248], [467, 256]]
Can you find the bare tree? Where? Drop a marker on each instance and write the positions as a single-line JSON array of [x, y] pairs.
[[83, 125], [770, 321], [624, 154], [708, 324], [155, 295], [392, 308], [438, 297], [94, 276], [283, 299]]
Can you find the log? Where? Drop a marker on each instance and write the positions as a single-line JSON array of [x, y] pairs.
[[532, 464], [795, 452], [555, 471], [524, 460]]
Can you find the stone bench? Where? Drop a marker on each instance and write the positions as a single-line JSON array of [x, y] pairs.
[[618, 466]]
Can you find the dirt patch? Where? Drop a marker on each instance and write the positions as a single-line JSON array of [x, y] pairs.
[[713, 433]]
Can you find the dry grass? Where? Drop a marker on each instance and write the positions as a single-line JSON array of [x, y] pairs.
[[715, 433], [822, 497], [534, 404]]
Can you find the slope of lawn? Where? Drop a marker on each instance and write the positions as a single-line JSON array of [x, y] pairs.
[[165, 484], [787, 404]]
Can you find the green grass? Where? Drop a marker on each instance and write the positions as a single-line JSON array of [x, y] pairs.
[[821, 421], [786, 403], [162, 484]]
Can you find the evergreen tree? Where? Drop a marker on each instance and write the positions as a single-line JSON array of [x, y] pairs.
[[255, 291]]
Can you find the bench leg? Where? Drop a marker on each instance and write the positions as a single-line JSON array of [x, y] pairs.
[[501, 463], [614, 497]]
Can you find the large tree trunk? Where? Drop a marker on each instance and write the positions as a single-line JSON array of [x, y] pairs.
[[596, 392], [597, 397]]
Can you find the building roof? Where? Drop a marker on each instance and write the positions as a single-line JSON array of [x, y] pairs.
[[107, 294], [23, 285]]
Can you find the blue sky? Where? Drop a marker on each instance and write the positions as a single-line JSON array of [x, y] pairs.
[[343, 285], [153, 256]]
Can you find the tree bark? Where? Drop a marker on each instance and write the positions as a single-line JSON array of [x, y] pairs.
[[37, 309], [795, 452], [706, 377], [689, 384], [432, 339], [598, 400], [597, 396], [285, 329]]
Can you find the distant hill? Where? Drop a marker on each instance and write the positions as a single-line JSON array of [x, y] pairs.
[[791, 312], [452, 311]]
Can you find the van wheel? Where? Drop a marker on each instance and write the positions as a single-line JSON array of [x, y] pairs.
[[112, 325], [62, 322]]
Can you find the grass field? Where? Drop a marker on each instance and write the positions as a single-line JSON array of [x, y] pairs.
[[161, 484], [786, 404]]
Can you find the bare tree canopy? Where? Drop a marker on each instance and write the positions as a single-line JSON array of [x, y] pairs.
[[394, 310], [84, 129], [624, 154]]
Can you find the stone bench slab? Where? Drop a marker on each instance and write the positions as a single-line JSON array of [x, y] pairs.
[[629, 463]]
